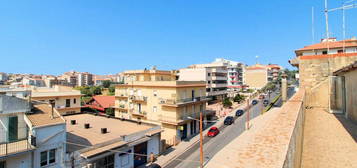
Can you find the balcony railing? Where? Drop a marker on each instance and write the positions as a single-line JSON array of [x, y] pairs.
[[8, 148], [182, 118], [139, 98], [122, 95], [183, 101], [137, 113]]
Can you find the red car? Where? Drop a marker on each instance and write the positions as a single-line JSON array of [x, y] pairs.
[[213, 131]]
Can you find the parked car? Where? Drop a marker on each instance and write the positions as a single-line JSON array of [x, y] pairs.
[[265, 102], [262, 96], [229, 120], [254, 102], [213, 131], [239, 112]]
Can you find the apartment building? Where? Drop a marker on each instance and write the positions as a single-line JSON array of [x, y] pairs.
[[85, 79], [65, 99], [274, 70], [3, 77], [52, 81], [214, 74], [97, 141], [38, 82], [235, 74], [32, 133], [154, 97], [316, 64]]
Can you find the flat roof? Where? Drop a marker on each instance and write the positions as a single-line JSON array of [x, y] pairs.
[[42, 116], [92, 136], [56, 94]]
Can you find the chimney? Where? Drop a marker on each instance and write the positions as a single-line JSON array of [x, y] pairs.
[[86, 125], [104, 130]]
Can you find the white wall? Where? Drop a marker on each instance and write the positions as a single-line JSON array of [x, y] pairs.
[[19, 161], [51, 137], [125, 160]]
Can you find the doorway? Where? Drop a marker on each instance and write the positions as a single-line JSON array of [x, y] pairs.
[[140, 153]]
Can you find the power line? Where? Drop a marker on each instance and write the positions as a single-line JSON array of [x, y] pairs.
[[131, 153]]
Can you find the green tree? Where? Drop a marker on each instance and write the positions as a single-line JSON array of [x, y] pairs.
[[109, 111], [227, 103], [95, 90], [106, 83], [238, 98], [111, 90]]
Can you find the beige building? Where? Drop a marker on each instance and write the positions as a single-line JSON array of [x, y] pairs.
[[65, 99], [316, 65], [214, 74], [257, 76], [154, 97]]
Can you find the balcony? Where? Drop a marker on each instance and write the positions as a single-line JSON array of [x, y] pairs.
[[121, 96], [10, 148], [139, 98], [139, 114], [179, 102], [176, 120], [122, 107]]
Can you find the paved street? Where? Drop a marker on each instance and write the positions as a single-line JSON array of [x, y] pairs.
[[227, 134], [213, 145]]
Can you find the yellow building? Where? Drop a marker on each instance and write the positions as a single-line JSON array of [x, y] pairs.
[[65, 99], [257, 76], [172, 104]]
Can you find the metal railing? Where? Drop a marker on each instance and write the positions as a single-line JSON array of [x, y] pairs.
[[139, 98], [21, 145], [139, 113], [183, 101]]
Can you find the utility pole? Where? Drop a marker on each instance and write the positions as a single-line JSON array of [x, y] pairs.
[[201, 140]]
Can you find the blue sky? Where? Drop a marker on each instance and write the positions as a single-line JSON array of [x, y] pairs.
[[103, 37]]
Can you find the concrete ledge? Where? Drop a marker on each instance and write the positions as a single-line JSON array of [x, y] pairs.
[[274, 141]]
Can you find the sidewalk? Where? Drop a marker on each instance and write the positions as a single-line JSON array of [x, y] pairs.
[[185, 145]]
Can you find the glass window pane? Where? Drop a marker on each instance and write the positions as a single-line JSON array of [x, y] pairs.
[[43, 158], [52, 156]]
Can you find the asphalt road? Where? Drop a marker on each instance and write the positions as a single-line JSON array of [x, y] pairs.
[[215, 144]]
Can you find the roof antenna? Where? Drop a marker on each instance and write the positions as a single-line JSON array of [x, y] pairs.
[[312, 25]]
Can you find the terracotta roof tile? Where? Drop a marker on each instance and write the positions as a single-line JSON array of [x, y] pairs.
[[335, 44]]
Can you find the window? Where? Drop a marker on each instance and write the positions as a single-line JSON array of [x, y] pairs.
[[106, 162], [154, 109], [209, 82], [208, 74], [68, 102], [52, 156], [2, 164], [43, 158], [155, 93], [324, 52], [339, 51], [74, 101], [48, 157]]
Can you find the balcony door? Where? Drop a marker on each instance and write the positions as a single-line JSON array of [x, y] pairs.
[[193, 94], [13, 129]]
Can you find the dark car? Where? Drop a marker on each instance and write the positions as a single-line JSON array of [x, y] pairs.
[[239, 112], [265, 102], [229, 120], [213, 131], [254, 102]]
